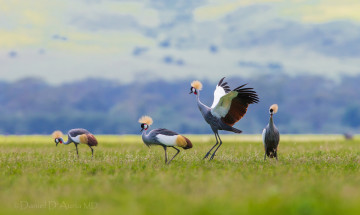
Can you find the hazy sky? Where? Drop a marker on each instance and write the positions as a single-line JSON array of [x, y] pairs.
[[63, 40]]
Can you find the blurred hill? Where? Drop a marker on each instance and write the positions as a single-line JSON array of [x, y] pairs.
[[307, 104]]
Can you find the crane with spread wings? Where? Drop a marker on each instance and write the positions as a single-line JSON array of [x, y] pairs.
[[228, 107]]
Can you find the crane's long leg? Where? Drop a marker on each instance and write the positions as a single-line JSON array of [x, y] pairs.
[[77, 152], [178, 151], [213, 155], [165, 154], [92, 151], [217, 142]]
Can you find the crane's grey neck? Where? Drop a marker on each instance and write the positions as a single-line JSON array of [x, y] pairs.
[[203, 108], [67, 142], [146, 138], [271, 122]]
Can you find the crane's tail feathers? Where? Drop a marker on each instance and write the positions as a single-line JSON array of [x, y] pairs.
[[92, 141], [188, 144], [235, 130]]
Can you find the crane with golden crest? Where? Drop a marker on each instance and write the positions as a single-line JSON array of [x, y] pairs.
[[76, 136], [228, 107], [271, 135], [163, 137]]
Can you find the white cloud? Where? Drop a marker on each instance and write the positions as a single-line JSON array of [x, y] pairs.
[[101, 35]]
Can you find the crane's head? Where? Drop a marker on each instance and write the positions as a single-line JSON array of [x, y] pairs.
[[273, 109], [57, 135], [145, 121], [196, 86]]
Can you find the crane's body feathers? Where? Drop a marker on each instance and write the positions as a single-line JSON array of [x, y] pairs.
[[217, 123], [271, 136], [82, 136], [166, 138]]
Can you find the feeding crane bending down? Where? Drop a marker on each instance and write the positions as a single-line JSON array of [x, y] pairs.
[[271, 135], [228, 107], [163, 137], [77, 136]]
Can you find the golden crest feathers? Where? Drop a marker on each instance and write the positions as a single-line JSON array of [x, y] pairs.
[[57, 134], [274, 107], [146, 119], [197, 85]]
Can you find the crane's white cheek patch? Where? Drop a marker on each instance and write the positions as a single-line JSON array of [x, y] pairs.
[[167, 140]]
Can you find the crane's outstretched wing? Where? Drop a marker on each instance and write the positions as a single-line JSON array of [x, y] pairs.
[[221, 90], [233, 106]]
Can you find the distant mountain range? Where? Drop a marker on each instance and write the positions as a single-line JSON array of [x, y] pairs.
[[307, 104]]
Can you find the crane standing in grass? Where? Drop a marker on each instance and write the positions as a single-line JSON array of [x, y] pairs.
[[271, 135], [228, 107], [163, 137], [77, 136]]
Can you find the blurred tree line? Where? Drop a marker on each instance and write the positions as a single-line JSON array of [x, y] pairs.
[[307, 104]]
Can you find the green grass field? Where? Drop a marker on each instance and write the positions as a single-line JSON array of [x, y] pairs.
[[314, 175]]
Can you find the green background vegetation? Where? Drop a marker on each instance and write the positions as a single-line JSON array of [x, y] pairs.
[[314, 175]]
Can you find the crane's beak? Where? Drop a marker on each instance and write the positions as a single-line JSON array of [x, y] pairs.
[[190, 92], [141, 130]]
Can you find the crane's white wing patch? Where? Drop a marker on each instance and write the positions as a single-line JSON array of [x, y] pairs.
[[223, 106], [167, 140], [76, 139], [263, 136], [218, 93]]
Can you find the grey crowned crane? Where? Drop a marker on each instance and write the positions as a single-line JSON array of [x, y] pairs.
[[77, 136], [271, 135], [163, 137], [228, 107]]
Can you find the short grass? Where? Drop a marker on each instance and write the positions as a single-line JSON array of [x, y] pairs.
[[314, 175]]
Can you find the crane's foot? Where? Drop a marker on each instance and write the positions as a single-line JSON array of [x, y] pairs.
[[212, 156], [207, 155]]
